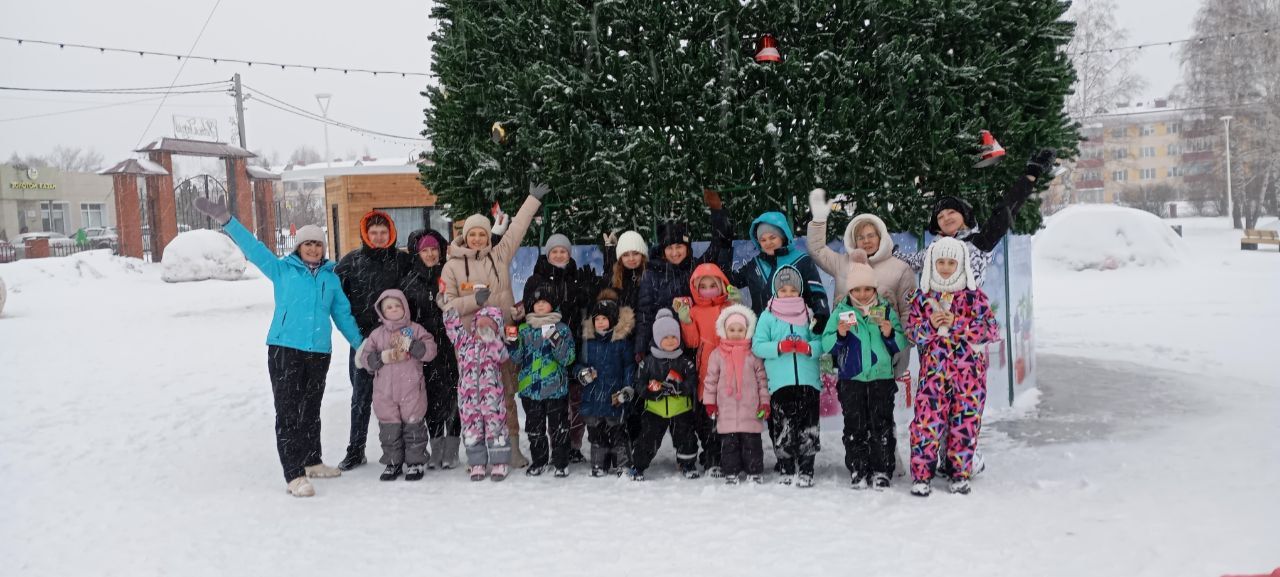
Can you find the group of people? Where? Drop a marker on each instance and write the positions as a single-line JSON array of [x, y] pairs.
[[662, 342]]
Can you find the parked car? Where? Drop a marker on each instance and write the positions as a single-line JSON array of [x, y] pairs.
[[55, 238], [101, 237]]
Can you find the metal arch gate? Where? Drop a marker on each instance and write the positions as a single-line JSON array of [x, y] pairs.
[[187, 191]]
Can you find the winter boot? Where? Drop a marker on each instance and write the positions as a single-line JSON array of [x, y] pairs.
[[636, 474], [921, 489], [301, 487], [355, 457], [731, 480], [690, 471], [804, 480], [561, 472], [477, 472], [437, 453], [391, 473], [859, 480], [960, 486], [598, 472], [880, 481], [322, 471], [786, 480], [450, 458], [498, 473], [576, 456], [415, 472], [534, 471], [756, 479], [714, 472]]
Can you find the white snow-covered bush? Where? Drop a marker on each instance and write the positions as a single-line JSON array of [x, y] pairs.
[[1106, 237], [202, 255]]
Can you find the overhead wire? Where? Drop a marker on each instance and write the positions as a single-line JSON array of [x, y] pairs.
[[181, 67]]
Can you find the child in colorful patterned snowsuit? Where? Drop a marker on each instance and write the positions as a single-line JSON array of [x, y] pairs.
[[711, 294], [736, 394], [543, 350], [605, 368], [790, 349], [481, 353], [863, 336], [950, 320], [394, 353], [666, 380]]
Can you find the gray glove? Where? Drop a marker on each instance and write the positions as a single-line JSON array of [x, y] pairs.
[[538, 190], [213, 210], [374, 361], [482, 296], [417, 349]]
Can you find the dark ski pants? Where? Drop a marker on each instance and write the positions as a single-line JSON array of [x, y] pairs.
[[655, 427], [869, 443], [361, 404], [608, 438], [297, 383], [708, 438], [543, 417], [442, 396], [741, 453], [794, 426]]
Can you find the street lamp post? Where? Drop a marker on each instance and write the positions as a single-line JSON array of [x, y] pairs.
[[1231, 213], [323, 100]]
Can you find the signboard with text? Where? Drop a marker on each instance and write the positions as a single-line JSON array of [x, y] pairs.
[[194, 128]]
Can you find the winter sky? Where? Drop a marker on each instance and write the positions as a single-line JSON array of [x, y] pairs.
[[388, 34]]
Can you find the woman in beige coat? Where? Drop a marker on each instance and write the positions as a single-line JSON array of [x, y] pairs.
[[478, 274]]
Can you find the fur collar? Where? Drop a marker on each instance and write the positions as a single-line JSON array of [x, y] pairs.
[[626, 325]]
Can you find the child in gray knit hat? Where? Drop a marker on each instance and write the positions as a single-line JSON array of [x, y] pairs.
[[667, 380]]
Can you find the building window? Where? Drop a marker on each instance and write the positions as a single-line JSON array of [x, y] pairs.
[[1148, 151], [1119, 176], [1174, 150], [1117, 132], [1093, 195], [1091, 153], [53, 216], [1175, 171], [1199, 145], [1172, 127], [1120, 153], [1147, 174], [92, 215], [1147, 130], [416, 218]]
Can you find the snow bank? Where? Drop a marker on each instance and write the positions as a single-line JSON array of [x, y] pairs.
[[1105, 237], [3, 295], [201, 255]]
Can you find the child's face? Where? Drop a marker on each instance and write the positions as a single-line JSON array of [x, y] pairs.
[[632, 259], [676, 253], [558, 256], [708, 284], [602, 324], [788, 291], [542, 308], [769, 243], [392, 309], [736, 331], [669, 343], [946, 266], [863, 294]]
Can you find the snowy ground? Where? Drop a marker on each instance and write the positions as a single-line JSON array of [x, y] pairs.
[[136, 439]]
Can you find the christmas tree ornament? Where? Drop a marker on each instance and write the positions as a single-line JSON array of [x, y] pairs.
[[498, 133], [768, 50], [990, 151]]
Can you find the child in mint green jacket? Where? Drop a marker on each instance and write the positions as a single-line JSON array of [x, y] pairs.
[[790, 349], [863, 335]]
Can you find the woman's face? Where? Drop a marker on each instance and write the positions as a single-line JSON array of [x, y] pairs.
[[950, 222], [477, 238], [311, 251], [676, 253], [632, 259], [868, 238], [558, 256], [430, 256], [769, 243]]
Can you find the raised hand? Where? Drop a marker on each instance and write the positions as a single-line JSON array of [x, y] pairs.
[[214, 210], [818, 205]]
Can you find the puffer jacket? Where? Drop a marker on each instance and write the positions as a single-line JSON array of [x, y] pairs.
[[737, 392], [894, 277], [864, 353], [676, 396], [490, 266], [573, 287], [788, 369], [369, 270], [700, 333], [662, 281], [757, 275], [543, 362], [305, 299], [393, 382], [611, 356]]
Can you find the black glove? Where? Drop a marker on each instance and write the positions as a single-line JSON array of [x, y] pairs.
[[482, 296], [213, 210], [1041, 163]]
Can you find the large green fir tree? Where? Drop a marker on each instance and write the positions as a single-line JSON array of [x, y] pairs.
[[628, 109]]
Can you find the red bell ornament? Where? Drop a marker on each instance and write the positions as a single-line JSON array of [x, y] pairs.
[[768, 50]]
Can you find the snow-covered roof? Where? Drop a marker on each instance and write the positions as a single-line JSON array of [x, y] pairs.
[[320, 170], [140, 166]]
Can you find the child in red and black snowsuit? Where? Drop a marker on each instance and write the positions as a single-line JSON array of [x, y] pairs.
[[950, 320]]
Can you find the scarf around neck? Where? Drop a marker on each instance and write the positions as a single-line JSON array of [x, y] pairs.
[[735, 359], [790, 310], [661, 354], [536, 320]]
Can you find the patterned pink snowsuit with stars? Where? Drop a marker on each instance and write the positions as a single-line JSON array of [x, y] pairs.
[[480, 401], [953, 380]]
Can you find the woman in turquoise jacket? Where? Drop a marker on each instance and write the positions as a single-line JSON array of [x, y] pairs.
[[790, 349], [307, 295]]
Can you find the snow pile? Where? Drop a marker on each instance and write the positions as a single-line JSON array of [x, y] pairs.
[[201, 255], [4, 293], [1105, 237]]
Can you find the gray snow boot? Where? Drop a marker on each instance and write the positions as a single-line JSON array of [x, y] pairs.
[[437, 453], [450, 458]]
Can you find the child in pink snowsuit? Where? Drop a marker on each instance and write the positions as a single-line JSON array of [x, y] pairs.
[[950, 320], [481, 352], [394, 353]]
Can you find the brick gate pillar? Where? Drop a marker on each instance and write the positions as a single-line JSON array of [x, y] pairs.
[[160, 196], [128, 217]]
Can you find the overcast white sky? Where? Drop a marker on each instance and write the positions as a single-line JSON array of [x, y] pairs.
[[384, 34]]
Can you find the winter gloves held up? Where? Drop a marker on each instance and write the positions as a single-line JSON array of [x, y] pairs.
[[712, 198], [1041, 163], [794, 345], [500, 224], [538, 190], [818, 205], [214, 210]]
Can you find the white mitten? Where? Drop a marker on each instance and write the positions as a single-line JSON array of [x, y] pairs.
[[818, 205], [500, 224]]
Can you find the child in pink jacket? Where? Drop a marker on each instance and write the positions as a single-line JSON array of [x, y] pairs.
[[394, 353], [736, 394]]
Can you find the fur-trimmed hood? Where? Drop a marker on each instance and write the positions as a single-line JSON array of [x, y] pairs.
[[886, 242], [626, 325], [732, 310]]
